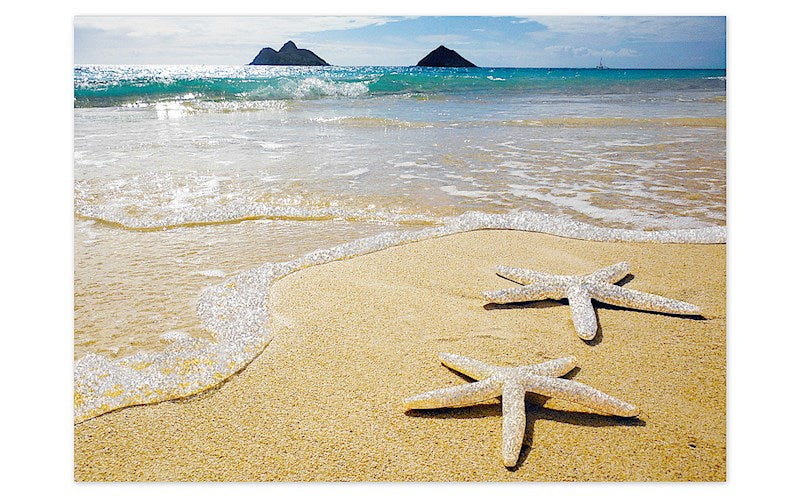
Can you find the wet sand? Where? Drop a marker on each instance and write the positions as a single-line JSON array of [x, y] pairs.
[[353, 338]]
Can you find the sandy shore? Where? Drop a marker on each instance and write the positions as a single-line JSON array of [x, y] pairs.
[[353, 338]]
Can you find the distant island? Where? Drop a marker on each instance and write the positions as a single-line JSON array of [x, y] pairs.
[[444, 57], [289, 55]]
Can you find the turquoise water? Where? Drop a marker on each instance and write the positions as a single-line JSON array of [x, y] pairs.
[[118, 85], [164, 146]]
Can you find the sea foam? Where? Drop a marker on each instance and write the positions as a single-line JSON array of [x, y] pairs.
[[236, 312]]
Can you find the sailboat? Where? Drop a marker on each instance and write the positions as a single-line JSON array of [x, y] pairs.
[[601, 67]]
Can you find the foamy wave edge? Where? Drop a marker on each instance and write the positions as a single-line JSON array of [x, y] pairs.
[[193, 217], [237, 313]]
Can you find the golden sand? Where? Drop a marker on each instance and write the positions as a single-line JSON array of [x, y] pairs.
[[353, 338]]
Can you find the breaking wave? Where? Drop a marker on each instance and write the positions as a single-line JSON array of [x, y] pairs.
[[101, 86]]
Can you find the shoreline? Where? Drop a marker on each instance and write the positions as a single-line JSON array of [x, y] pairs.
[[311, 406], [232, 312]]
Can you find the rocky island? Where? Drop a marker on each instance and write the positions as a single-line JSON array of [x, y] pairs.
[[289, 55], [444, 57]]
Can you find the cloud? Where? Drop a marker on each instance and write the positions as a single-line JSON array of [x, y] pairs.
[[534, 24], [643, 29], [626, 53], [188, 30], [570, 51], [365, 40], [444, 39]]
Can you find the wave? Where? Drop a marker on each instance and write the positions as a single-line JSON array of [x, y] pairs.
[[194, 216], [159, 201], [100, 86], [236, 312], [619, 121], [540, 122], [121, 93], [374, 122]]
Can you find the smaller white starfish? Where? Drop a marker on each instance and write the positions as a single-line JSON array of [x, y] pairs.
[[512, 384], [580, 290]]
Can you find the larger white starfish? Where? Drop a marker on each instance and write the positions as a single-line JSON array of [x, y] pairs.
[[512, 383], [580, 290]]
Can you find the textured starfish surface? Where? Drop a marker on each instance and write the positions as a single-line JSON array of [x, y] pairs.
[[580, 290], [512, 383]]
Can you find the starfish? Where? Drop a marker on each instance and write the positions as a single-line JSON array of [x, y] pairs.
[[512, 383], [580, 290]]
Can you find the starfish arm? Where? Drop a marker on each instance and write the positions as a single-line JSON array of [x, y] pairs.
[[554, 367], [466, 365], [579, 393], [528, 293], [613, 273], [523, 276], [616, 295], [452, 397], [583, 316], [513, 422]]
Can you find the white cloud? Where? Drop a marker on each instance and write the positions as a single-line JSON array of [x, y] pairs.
[[235, 40], [651, 28], [444, 39], [626, 53], [570, 51], [210, 30]]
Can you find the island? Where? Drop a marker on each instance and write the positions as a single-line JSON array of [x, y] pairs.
[[443, 57], [289, 55]]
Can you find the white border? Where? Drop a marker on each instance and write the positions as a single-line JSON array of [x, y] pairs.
[[38, 251]]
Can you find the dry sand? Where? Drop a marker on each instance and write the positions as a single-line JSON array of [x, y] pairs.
[[353, 338]]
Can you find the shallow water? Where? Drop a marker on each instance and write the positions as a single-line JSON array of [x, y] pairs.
[[138, 290], [187, 176]]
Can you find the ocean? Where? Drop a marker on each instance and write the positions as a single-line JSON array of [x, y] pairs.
[[196, 186]]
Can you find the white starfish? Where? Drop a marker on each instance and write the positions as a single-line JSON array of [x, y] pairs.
[[512, 384], [580, 290]]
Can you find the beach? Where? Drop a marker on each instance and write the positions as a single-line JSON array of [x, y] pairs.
[[186, 175], [269, 259], [352, 338]]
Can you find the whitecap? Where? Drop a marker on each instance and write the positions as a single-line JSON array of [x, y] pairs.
[[355, 172], [451, 190]]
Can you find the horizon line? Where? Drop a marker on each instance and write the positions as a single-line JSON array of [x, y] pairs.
[[409, 66]]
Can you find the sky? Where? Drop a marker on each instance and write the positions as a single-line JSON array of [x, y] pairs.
[[541, 41]]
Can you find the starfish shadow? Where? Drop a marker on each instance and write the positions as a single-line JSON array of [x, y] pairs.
[[598, 336], [534, 410], [488, 409], [482, 410], [625, 280], [538, 304], [607, 306], [541, 304]]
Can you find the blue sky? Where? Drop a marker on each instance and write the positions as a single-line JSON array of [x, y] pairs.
[[539, 41]]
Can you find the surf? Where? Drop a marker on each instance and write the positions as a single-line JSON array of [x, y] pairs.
[[236, 313]]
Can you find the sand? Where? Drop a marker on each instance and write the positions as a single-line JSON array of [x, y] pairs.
[[353, 338]]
